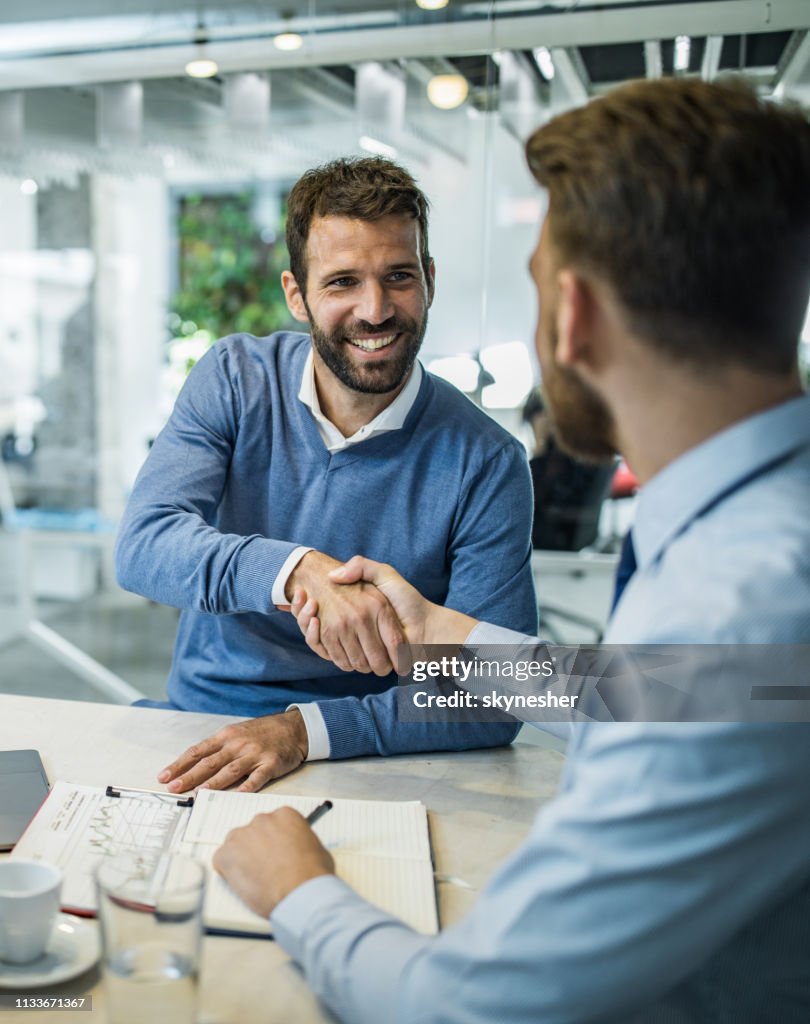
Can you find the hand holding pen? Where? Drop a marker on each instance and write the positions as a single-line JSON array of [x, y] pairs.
[[263, 862]]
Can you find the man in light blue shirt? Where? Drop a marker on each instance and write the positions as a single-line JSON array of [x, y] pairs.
[[669, 881]]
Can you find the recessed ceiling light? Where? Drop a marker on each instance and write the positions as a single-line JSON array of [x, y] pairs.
[[447, 91], [202, 68], [288, 41], [29, 187], [542, 56], [432, 5], [683, 46]]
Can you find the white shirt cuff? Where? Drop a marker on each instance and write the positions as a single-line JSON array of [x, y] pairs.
[[277, 595], [319, 747]]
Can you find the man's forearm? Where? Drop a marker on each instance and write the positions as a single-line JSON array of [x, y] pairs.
[[176, 559], [371, 726]]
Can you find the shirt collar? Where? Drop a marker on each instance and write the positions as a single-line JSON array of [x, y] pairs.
[[705, 474], [391, 418]]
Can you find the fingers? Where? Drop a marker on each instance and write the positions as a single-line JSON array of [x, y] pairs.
[[351, 647], [356, 569], [189, 758], [209, 770], [258, 778], [256, 751], [309, 624], [392, 635], [357, 630], [347, 646], [313, 637], [228, 775], [381, 656]]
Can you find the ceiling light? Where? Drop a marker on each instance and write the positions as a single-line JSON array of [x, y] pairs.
[[371, 145], [432, 5], [288, 41], [683, 45], [447, 91], [202, 68], [543, 57], [29, 187]]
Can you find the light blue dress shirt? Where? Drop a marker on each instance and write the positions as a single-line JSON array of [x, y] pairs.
[[669, 880]]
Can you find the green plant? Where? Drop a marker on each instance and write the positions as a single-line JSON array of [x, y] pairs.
[[229, 268]]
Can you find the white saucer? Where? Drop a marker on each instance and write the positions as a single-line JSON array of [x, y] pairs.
[[72, 949]]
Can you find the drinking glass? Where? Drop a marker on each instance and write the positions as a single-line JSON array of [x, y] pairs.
[[150, 910]]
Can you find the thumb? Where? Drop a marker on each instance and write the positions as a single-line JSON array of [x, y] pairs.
[[359, 568]]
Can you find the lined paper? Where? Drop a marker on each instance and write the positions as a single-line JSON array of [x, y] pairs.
[[380, 848]]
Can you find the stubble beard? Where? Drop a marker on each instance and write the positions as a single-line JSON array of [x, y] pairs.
[[381, 376], [582, 423]]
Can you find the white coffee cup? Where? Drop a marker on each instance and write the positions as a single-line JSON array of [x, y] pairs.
[[29, 903]]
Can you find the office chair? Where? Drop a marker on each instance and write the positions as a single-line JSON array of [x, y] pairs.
[[568, 497]]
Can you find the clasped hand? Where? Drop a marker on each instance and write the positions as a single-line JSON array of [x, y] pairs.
[[420, 621], [358, 628]]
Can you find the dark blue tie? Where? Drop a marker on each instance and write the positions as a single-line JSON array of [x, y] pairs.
[[625, 568]]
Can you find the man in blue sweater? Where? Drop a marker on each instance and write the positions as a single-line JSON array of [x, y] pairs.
[[285, 456]]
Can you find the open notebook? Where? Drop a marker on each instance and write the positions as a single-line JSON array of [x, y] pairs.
[[380, 848]]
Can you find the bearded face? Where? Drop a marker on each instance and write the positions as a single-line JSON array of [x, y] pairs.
[[344, 350], [582, 422]]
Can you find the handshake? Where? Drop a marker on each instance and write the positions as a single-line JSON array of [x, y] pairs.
[[356, 615]]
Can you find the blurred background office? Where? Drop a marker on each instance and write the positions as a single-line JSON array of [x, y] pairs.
[[146, 150]]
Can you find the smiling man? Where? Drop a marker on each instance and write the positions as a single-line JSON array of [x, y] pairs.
[[285, 455]]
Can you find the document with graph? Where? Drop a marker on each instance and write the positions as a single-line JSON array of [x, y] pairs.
[[380, 848]]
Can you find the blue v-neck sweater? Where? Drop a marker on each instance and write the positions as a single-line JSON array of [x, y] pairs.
[[240, 476]]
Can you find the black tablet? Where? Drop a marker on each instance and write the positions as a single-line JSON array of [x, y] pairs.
[[23, 787]]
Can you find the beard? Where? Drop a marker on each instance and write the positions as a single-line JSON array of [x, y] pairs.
[[581, 421], [381, 376]]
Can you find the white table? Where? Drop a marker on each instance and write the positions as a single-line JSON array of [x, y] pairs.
[[480, 803]]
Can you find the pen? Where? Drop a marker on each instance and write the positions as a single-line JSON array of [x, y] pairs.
[[319, 811]]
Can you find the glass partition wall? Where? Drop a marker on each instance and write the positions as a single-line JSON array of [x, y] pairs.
[[146, 150]]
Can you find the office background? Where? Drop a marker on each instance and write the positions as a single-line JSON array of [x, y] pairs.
[[142, 216]]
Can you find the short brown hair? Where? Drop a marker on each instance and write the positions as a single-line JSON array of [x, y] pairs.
[[364, 188], [692, 200]]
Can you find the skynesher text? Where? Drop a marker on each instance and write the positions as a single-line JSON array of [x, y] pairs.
[[502, 701]]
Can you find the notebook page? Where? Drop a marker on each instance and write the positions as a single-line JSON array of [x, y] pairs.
[[380, 848], [377, 828], [402, 888]]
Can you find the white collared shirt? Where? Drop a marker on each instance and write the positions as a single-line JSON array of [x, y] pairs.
[[392, 417]]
